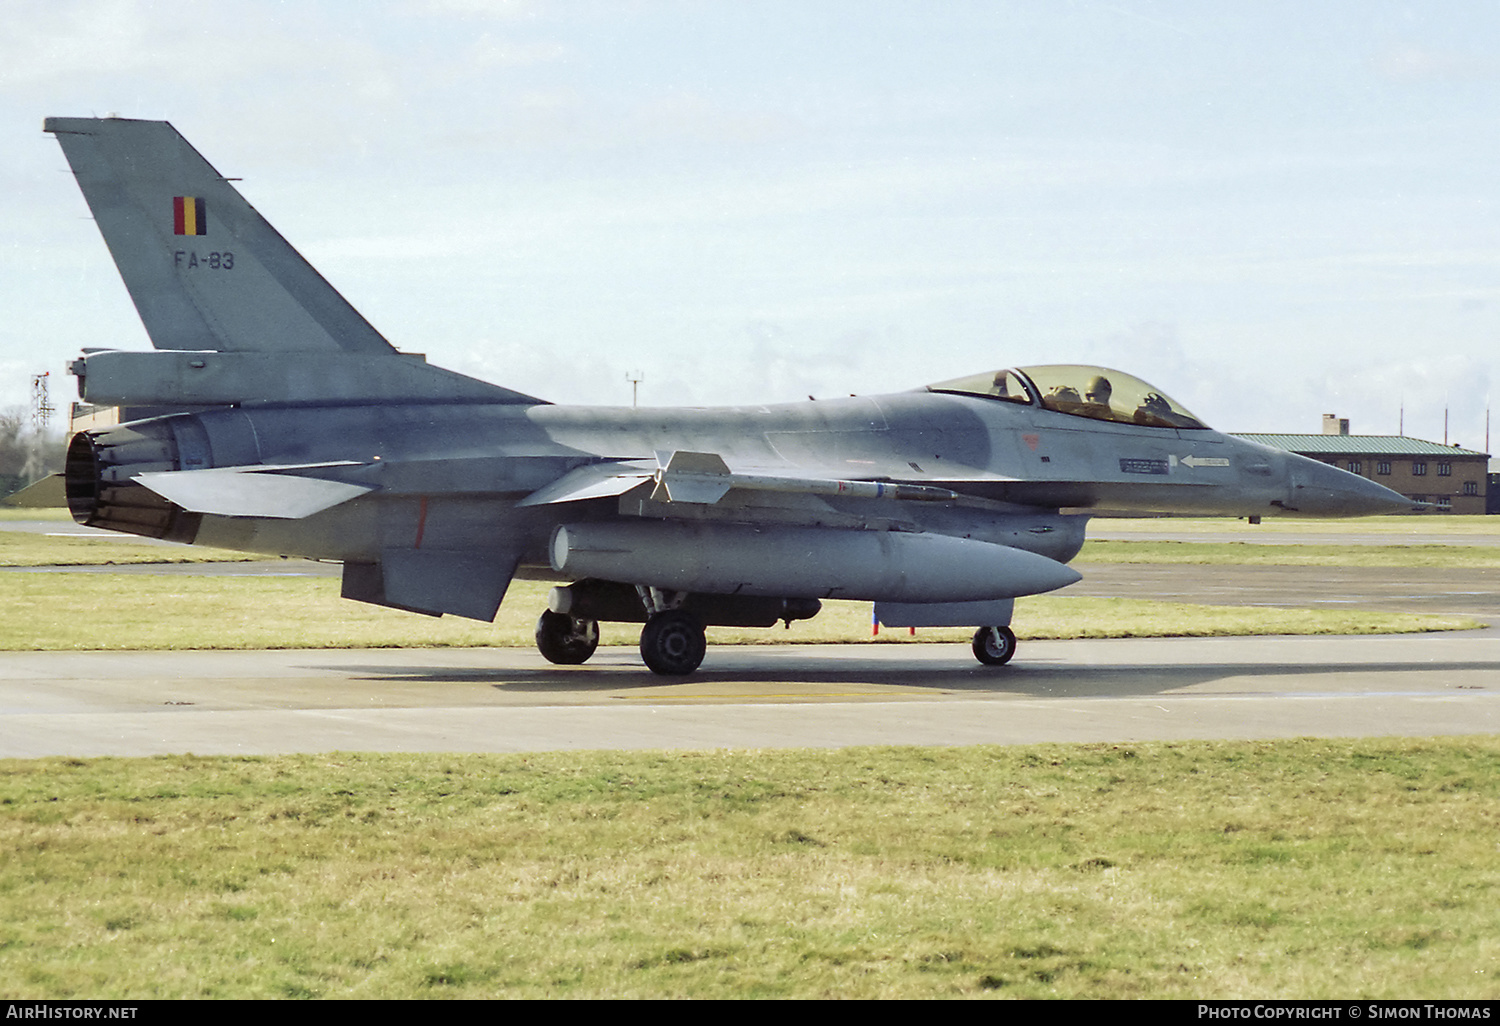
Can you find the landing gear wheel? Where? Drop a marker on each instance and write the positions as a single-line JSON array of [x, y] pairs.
[[993, 646], [564, 640], [672, 643]]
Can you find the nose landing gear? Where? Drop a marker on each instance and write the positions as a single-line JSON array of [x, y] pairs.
[[993, 646]]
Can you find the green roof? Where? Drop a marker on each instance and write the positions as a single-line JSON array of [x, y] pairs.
[[1358, 445]]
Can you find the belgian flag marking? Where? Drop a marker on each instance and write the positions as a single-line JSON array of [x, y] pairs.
[[189, 215]]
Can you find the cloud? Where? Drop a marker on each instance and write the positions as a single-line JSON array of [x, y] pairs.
[[493, 10], [167, 43], [1416, 64], [46, 42]]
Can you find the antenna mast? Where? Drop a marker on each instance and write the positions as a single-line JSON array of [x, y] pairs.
[[41, 405]]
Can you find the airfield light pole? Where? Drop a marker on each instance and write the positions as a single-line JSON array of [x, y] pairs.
[[635, 378]]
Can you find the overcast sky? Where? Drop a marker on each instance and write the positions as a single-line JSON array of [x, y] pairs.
[[1269, 210]]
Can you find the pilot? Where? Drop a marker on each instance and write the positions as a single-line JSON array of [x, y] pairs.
[[1155, 409], [1096, 396], [1063, 399]]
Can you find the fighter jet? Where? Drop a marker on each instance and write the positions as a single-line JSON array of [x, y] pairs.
[[283, 423]]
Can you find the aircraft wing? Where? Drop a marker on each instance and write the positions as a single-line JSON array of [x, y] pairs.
[[593, 481], [703, 478]]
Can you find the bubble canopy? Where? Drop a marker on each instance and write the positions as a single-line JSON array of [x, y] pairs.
[[1080, 391]]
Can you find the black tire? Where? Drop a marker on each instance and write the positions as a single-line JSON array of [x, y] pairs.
[[564, 640], [993, 646], [672, 643]]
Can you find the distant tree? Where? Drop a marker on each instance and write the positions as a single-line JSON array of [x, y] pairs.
[[25, 456], [13, 452]]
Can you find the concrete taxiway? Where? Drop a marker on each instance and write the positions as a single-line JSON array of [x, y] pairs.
[[509, 700]]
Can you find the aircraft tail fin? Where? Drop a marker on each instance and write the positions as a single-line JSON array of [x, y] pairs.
[[205, 270]]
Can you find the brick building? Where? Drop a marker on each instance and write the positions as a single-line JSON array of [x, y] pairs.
[[1454, 479]]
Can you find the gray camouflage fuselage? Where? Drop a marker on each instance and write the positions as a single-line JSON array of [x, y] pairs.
[[449, 476]]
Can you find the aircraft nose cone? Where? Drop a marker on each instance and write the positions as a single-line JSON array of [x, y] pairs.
[[1324, 491]]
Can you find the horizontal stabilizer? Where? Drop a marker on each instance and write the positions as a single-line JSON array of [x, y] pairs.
[[256, 491]]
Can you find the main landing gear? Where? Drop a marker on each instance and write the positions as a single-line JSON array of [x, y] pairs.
[[564, 640], [993, 646], [672, 642]]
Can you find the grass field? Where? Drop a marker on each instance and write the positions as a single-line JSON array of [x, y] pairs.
[[18, 550], [143, 611], [44, 550], [1455, 528], [1248, 554], [47, 612], [1258, 547], [1298, 869]]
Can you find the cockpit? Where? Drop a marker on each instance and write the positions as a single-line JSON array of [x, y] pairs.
[[1078, 390]]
